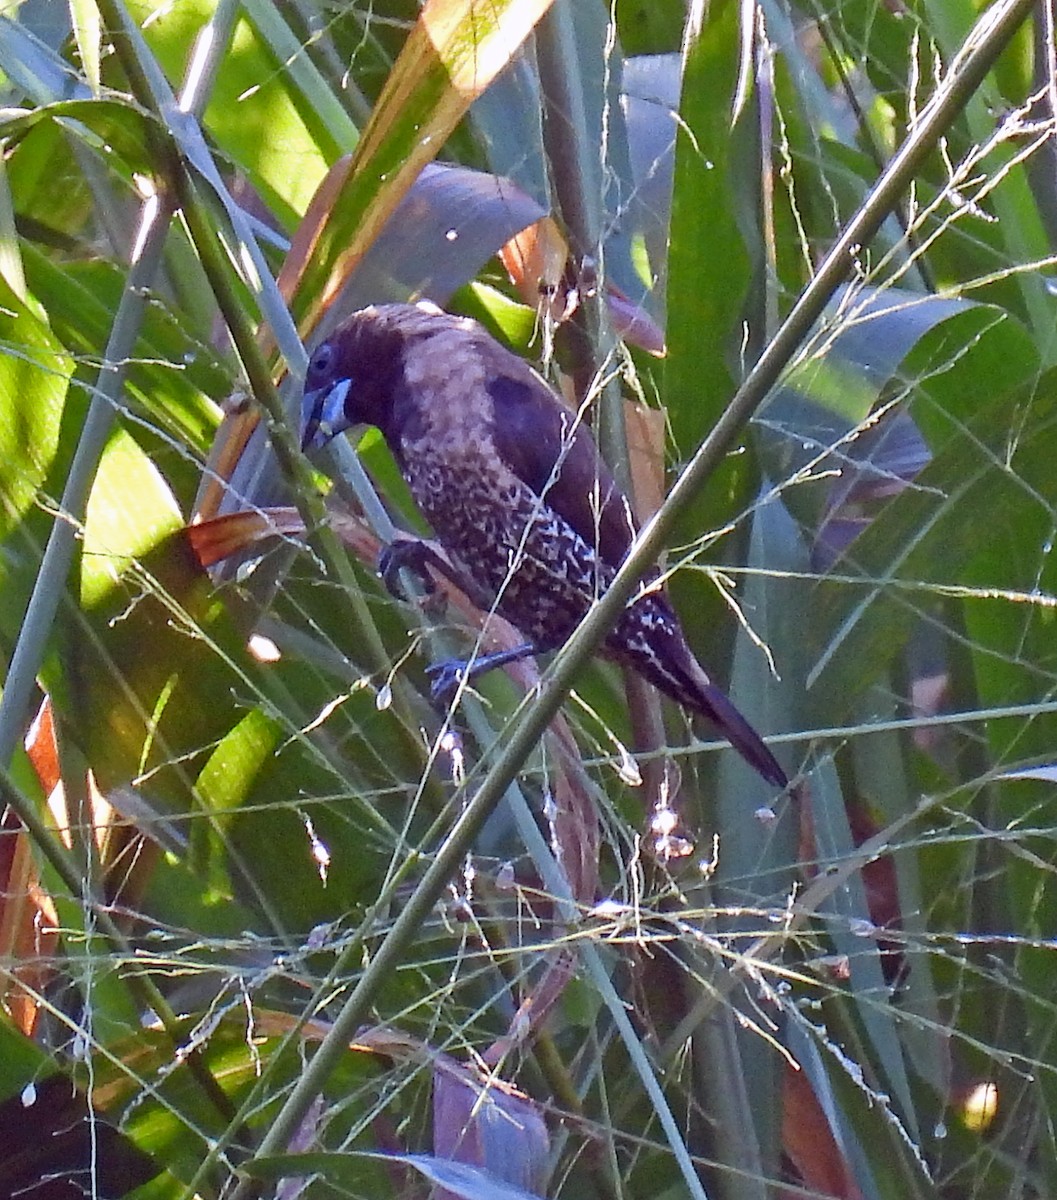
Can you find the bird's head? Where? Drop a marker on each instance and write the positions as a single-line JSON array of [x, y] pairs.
[[353, 375]]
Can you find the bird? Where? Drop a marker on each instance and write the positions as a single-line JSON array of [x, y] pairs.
[[513, 485]]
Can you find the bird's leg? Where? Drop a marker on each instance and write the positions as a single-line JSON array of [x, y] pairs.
[[416, 554], [450, 672], [410, 553]]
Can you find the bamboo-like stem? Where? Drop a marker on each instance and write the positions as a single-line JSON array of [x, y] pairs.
[[153, 94], [576, 169], [49, 586]]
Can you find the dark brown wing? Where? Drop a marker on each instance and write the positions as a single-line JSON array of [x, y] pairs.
[[533, 433]]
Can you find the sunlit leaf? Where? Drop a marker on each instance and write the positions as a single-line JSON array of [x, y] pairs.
[[455, 50]]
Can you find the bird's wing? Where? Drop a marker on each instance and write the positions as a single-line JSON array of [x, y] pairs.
[[545, 446]]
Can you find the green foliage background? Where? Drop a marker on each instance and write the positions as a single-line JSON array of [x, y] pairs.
[[787, 996]]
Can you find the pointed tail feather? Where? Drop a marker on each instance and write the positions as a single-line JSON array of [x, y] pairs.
[[659, 652], [736, 729]]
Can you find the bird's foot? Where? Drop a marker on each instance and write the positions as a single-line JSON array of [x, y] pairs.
[[445, 677], [449, 673], [410, 554]]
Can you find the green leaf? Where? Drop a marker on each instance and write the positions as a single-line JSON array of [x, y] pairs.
[[960, 376], [456, 1178], [34, 373], [452, 54], [257, 115]]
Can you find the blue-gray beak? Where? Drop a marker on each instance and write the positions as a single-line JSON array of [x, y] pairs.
[[323, 415]]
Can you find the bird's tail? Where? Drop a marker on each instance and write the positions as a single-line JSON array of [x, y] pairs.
[[669, 664], [713, 704]]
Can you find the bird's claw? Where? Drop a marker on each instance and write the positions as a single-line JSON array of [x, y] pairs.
[[445, 677], [410, 553], [451, 672]]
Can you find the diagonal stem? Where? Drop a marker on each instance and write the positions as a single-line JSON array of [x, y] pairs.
[[49, 586]]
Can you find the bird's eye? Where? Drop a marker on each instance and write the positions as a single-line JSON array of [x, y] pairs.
[[322, 359]]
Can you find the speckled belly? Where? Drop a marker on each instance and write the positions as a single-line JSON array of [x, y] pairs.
[[524, 558]]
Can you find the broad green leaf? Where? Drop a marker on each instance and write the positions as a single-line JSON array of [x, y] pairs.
[[458, 1179], [453, 53], [757, 848], [175, 378], [711, 255], [34, 375], [151, 642], [257, 113], [959, 378], [130, 512], [265, 785], [846, 914], [709, 262], [832, 428], [118, 132]]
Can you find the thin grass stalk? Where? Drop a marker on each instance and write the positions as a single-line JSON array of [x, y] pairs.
[[139, 983]]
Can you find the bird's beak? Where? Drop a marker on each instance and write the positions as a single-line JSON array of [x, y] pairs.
[[323, 415]]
